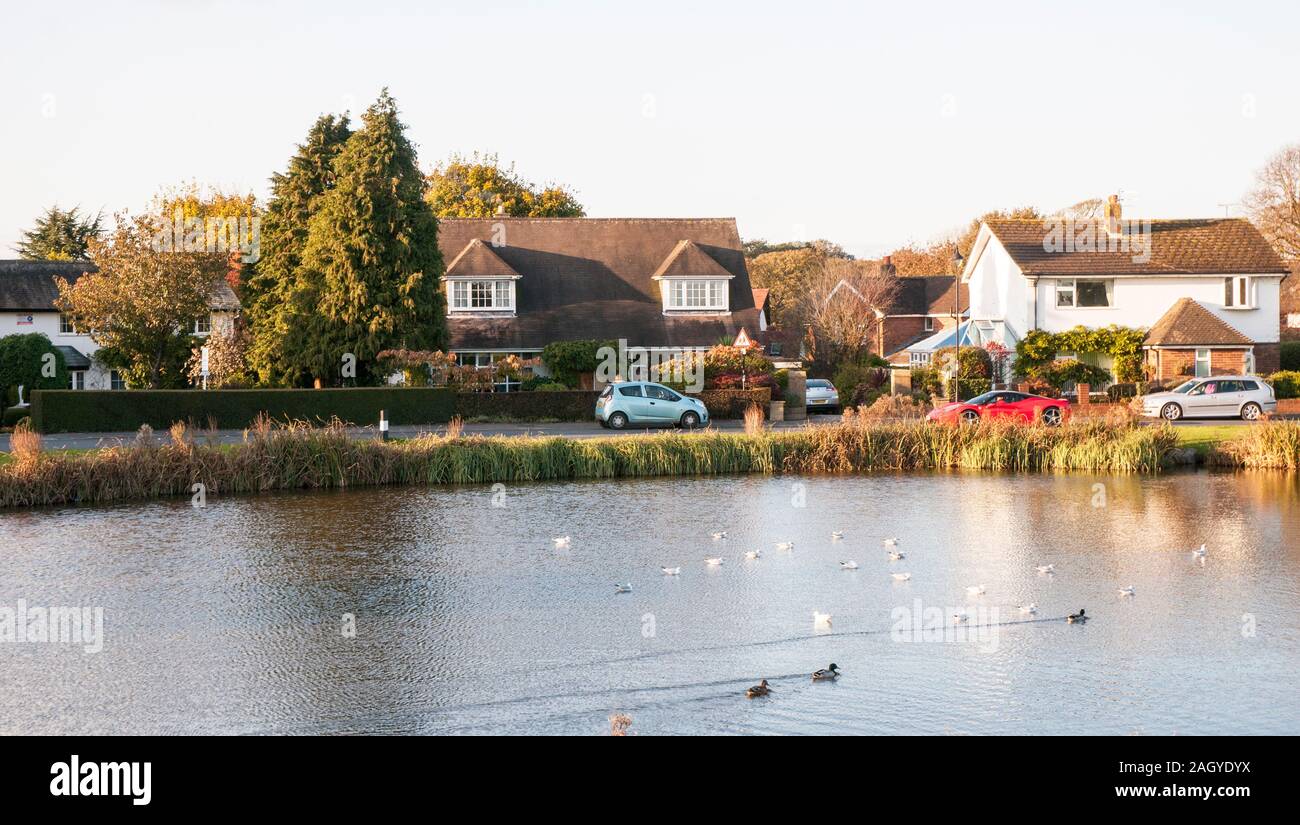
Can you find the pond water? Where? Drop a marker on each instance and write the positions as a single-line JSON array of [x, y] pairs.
[[231, 618]]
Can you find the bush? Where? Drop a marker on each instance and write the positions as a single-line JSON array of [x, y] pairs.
[[549, 386], [568, 360], [1290, 356], [15, 414], [1071, 371], [970, 387], [1286, 383], [849, 377], [551, 405], [23, 363], [732, 403], [927, 380], [1118, 392]]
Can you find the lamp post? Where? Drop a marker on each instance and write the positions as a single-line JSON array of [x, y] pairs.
[[957, 261]]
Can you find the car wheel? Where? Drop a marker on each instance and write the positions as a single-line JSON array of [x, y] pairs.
[[690, 420], [1052, 416], [1251, 411], [1171, 412], [618, 421], [969, 417]]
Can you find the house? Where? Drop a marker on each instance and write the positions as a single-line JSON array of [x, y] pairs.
[[27, 293], [922, 310], [514, 285], [1206, 289]]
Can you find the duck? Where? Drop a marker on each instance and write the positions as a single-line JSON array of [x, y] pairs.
[[1199, 553], [837, 535], [821, 619], [959, 618], [1077, 618], [753, 554], [671, 571], [1128, 591], [896, 556], [785, 545], [561, 541], [890, 542], [975, 590], [901, 577], [760, 689], [719, 536], [1030, 608], [716, 561], [849, 565], [827, 673], [622, 588], [1046, 568]]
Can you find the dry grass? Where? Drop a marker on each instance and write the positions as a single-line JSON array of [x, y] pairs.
[[1265, 445], [619, 724], [753, 420], [889, 408], [25, 443], [295, 455], [454, 428]]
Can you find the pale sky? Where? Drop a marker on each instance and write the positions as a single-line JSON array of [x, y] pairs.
[[871, 125]]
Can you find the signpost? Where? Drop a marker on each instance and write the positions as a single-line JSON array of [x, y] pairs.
[[743, 343]]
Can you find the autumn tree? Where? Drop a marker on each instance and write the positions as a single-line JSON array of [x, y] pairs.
[[1274, 203], [478, 186], [60, 235], [215, 219], [371, 259], [227, 364], [141, 303], [277, 286], [843, 304]]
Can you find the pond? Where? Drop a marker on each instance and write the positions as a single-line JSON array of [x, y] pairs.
[[441, 610]]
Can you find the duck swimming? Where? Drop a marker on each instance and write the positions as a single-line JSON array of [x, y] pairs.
[[821, 619], [901, 577], [562, 541], [622, 588], [713, 562], [890, 542], [753, 554], [671, 571], [832, 672], [976, 590], [837, 535], [1128, 591], [849, 565], [1199, 553], [1077, 618], [1047, 568], [719, 536], [785, 545], [896, 556], [760, 689]]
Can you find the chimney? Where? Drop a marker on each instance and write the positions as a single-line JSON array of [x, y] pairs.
[[887, 268], [1112, 213]]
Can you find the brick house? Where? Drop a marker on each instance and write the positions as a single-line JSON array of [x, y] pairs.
[[922, 308], [1190, 340]]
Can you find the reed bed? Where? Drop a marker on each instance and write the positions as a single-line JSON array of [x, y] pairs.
[[1271, 445], [298, 456]]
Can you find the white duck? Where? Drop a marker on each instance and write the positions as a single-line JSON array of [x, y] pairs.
[[821, 619], [901, 577], [837, 535], [1128, 591], [561, 541], [890, 542], [716, 561], [896, 556], [1046, 568], [960, 618], [1199, 553], [753, 554], [1030, 608], [785, 545], [622, 588], [718, 536], [671, 571], [849, 565], [975, 590]]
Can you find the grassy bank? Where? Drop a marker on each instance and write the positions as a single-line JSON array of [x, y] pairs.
[[1274, 445], [302, 457]]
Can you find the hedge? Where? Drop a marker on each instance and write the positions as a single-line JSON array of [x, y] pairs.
[[560, 405], [1290, 356], [732, 403], [55, 411]]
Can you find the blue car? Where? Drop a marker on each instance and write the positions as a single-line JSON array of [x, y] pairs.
[[644, 404]]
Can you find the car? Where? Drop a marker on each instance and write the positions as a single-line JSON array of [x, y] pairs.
[[1235, 396], [821, 394], [647, 404], [1004, 404]]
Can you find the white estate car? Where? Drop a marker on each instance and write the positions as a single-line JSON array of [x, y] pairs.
[[1236, 396]]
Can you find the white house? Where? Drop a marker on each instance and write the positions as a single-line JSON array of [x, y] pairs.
[[1207, 289], [27, 293]]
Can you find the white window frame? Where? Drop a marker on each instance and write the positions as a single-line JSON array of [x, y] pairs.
[[66, 324], [710, 294], [116, 381], [928, 324], [76, 379], [1235, 287], [918, 359], [481, 295], [1070, 286], [203, 324], [1196, 363]]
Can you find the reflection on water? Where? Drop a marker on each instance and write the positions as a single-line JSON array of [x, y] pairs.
[[229, 619]]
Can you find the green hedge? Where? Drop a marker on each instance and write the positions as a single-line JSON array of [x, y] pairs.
[[55, 411], [1286, 384], [560, 405], [1290, 356], [732, 403]]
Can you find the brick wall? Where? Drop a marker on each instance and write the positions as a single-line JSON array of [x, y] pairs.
[[1175, 364], [1268, 358]]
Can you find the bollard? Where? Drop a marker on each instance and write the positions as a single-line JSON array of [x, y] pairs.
[[383, 426]]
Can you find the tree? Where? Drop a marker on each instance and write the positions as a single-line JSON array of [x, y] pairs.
[[227, 366], [276, 323], [215, 220], [479, 187], [371, 263], [60, 235], [935, 259], [758, 246], [141, 303], [843, 305], [787, 275], [31, 362], [1274, 203]]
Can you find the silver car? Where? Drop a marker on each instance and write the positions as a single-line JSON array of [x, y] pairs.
[[1220, 396], [822, 395]]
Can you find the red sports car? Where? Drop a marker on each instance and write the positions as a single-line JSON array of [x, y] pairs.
[[1004, 404]]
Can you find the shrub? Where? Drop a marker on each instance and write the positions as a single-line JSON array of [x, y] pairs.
[[23, 362], [13, 415], [1290, 356], [1286, 384], [549, 386], [970, 387], [927, 380], [1069, 370], [568, 360], [732, 403], [1118, 392], [849, 377], [552, 405], [903, 407]]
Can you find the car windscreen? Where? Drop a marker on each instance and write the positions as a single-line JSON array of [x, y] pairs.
[[983, 399], [1185, 387]]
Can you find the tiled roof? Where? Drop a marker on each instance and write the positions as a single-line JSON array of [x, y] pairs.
[[592, 278], [477, 260], [1188, 323], [29, 285], [1177, 247], [927, 295]]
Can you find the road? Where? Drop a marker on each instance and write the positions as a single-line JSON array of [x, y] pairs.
[[580, 429]]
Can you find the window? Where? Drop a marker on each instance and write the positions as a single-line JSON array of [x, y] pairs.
[[203, 325], [115, 380], [774, 348], [1237, 293], [77, 379], [929, 325], [918, 359], [481, 295], [1202, 363], [1084, 294], [696, 295], [633, 391], [1249, 386], [66, 325], [661, 393]]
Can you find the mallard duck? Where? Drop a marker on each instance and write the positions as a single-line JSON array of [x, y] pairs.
[[714, 562], [1046, 568], [622, 588], [832, 672], [1077, 618], [901, 577], [760, 689], [785, 545], [1128, 591], [975, 590], [561, 541], [849, 565], [896, 556], [821, 619], [753, 554], [890, 542], [671, 571], [1199, 553], [718, 536], [1030, 608]]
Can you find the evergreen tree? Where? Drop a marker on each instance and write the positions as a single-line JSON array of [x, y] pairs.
[[60, 235], [269, 288], [372, 266]]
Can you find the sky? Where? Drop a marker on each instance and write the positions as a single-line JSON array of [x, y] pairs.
[[873, 125]]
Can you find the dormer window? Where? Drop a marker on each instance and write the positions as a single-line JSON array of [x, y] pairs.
[[471, 296], [697, 295]]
